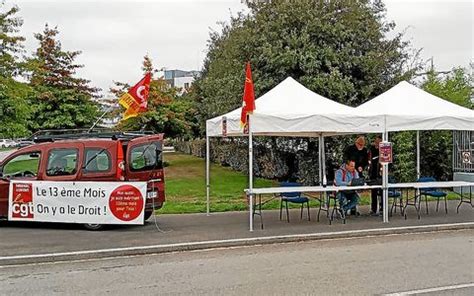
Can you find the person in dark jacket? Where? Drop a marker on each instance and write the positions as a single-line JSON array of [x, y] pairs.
[[359, 154], [375, 174]]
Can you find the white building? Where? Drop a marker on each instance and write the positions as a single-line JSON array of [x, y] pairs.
[[180, 79]]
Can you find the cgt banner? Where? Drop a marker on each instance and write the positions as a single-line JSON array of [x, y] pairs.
[[77, 202]]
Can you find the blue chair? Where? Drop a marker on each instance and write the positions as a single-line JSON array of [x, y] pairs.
[[292, 197], [396, 195], [433, 192]]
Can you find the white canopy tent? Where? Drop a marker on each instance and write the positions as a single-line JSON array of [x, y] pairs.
[[289, 109], [406, 107]]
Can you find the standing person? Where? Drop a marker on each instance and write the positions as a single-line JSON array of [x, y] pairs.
[[348, 200], [359, 154], [375, 174]]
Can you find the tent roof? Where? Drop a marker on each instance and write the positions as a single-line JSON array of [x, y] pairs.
[[291, 97], [287, 109], [407, 107], [290, 109]]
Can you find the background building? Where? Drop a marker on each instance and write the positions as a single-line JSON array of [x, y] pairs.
[[180, 79]]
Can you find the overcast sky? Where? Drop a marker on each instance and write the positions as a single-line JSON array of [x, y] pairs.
[[115, 35]]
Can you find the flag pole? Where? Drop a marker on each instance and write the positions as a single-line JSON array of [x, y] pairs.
[[100, 118]]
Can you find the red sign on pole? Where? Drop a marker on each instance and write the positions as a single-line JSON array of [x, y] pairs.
[[385, 152]]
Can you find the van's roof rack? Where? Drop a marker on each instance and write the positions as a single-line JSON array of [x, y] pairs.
[[98, 133]]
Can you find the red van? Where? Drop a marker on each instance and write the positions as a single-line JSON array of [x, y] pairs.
[[102, 156]]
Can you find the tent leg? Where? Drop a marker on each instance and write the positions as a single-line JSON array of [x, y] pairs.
[[250, 175], [320, 161], [208, 186], [323, 155], [385, 184], [418, 171], [323, 171]]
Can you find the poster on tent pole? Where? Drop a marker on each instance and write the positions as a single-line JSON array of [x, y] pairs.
[[77, 202], [385, 152]]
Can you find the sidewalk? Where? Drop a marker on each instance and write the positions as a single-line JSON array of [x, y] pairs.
[[45, 238]]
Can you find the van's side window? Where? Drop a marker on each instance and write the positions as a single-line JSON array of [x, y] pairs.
[[62, 162], [23, 165], [97, 160], [146, 157]]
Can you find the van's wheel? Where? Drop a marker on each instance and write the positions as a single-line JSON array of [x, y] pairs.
[[148, 214], [93, 226]]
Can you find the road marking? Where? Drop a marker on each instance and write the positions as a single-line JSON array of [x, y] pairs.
[[430, 290], [238, 242]]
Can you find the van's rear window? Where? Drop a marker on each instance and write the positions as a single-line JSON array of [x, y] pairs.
[[146, 157], [97, 160]]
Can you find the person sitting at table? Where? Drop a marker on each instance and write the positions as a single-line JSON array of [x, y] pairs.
[[349, 199]]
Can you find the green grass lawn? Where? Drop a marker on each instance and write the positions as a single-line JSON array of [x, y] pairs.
[[185, 181]]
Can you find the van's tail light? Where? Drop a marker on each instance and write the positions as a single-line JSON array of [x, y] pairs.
[[120, 162]]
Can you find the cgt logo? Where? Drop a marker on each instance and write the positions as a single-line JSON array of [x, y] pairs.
[[22, 200]]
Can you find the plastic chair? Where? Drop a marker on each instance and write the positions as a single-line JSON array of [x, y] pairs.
[[292, 197], [396, 195], [433, 192]]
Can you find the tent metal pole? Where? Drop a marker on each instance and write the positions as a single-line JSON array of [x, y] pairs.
[[250, 175], [385, 184], [208, 185], [385, 177], [320, 161], [418, 171], [323, 155], [323, 169]]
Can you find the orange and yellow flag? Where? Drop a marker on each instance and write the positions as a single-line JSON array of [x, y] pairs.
[[136, 99]]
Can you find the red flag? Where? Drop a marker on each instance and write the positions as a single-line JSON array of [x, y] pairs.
[[136, 99], [248, 100], [140, 92]]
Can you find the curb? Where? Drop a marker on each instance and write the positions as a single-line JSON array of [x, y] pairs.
[[192, 246]]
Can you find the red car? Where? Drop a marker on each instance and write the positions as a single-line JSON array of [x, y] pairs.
[[108, 156]]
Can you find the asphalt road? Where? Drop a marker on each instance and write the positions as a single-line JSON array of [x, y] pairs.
[[377, 265]]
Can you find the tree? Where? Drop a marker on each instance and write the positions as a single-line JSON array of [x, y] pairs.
[[456, 87], [61, 99], [338, 49], [14, 111], [11, 45]]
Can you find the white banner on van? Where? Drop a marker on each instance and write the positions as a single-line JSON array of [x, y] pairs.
[[77, 202]]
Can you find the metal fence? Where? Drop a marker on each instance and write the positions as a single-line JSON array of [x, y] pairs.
[[463, 152]]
